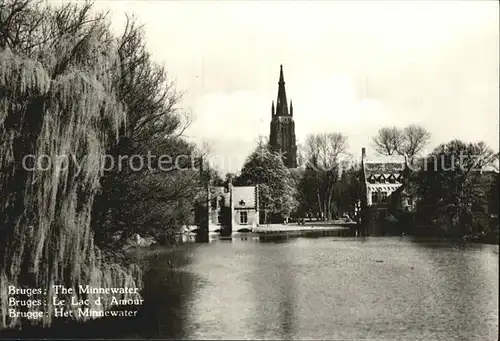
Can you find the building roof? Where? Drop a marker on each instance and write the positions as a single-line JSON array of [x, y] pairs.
[[244, 196], [386, 168], [385, 159]]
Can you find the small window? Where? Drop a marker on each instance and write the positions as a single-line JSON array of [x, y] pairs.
[[374, 197], [243, 218], [382, 179], [392, 179], [371, 179], [410, 201], [383, 196]]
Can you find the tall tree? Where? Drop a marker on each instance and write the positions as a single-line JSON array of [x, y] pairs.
[[409, 141], [155, 124], [322, 153], [450, 185], [415, 139], [349, 189], [388, 140], [276, 189], [58, 71]]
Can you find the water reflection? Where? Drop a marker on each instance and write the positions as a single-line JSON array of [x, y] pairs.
[[168, 287], [378, 288], [461, 287], [319, 288], [273, 289]]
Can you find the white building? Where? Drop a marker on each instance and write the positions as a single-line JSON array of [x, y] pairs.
[[382, 177], [236, 207]]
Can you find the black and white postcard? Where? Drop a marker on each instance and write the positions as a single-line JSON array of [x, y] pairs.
[[284, 170]]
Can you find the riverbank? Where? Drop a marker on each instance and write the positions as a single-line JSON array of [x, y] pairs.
[[487, 240], [491, 238], [298, 229]]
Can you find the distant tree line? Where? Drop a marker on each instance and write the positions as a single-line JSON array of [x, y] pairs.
[[455, 186]]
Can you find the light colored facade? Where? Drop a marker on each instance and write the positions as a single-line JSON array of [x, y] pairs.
[[245, 208], [236, 207], [382, 176]]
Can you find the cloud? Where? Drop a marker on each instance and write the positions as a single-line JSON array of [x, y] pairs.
[[236, 115], [350, 67], [232, 122], [334, 103]]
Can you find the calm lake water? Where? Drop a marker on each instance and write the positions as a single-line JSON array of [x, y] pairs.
[[323, 288]]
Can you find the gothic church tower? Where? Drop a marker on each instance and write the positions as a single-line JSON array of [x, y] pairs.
[[282, 136]]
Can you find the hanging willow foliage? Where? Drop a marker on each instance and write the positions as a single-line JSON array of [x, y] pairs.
[[63, 103]]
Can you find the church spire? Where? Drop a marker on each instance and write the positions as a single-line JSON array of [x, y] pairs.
[[282, 132], [281, 103], [272, 109], [282, 79]]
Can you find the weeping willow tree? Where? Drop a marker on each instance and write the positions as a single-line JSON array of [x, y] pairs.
[[58, 96], [154, 200]]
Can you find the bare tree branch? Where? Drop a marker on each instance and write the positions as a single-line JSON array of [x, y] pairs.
[[415, 139], [388, 140]]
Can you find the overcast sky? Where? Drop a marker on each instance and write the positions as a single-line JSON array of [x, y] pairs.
[[349, 67]]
